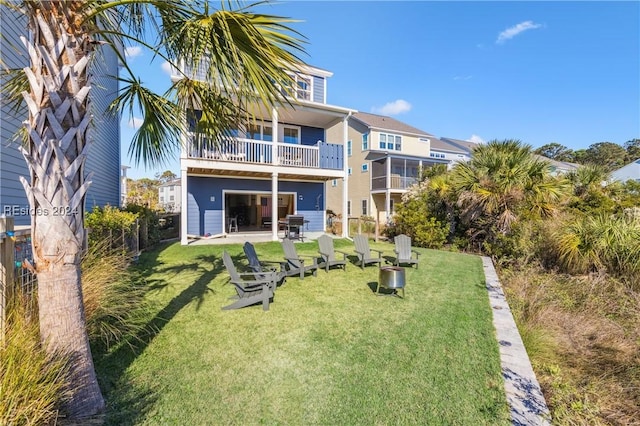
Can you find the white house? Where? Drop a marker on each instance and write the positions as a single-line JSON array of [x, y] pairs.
[[629, 172]]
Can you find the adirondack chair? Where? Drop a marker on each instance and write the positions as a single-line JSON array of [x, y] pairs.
[[328, 253], [257, 266], [251, 288], [404, 252], [365, 253], [295, 264]]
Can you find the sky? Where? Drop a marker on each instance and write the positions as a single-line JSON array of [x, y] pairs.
[[541, 72]]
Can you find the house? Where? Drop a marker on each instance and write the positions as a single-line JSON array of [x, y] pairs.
[[385, 157], [558, 167], [276, 166], [629, 172], [169, 197], [104, 155], [451, 150]]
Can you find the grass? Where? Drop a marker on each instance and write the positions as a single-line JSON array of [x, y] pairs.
[[327, 352], [583, 337]]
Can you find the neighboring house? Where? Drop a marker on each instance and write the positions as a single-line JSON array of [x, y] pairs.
[[559, 167], [104, 154], [169, 196], [629, 172], [453, 153], [276, 166], [385, 157]]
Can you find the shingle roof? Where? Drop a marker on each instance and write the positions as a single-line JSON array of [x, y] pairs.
[[466, 145], [382, 122], [443, 145]]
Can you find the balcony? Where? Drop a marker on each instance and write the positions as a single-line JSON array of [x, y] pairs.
[[322, 155], [396, 182], [395, 174]]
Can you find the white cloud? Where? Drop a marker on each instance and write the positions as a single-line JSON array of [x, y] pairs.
[[393, 108], [133, 51], [476, 139], [135, 122], [462, 77], [166, 67], [511, 32]]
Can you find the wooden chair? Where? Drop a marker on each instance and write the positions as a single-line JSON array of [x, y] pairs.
[[404, 252], [328, 253], [364, 252], [257, 266], [251, 288], [295, 264]]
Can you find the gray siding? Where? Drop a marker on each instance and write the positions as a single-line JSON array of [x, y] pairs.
[[104, 156], [12, 164], [318, 89]]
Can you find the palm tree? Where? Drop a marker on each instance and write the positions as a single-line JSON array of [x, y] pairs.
[[499, 184], [244, 55]]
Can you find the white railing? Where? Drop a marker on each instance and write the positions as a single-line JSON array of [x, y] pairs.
[[255, 152]]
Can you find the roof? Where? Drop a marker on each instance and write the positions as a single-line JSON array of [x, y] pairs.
[[442, 145], [468, 146], [562, 165], [381, 122]]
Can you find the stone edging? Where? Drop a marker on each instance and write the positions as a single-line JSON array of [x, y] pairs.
[[526, 402]]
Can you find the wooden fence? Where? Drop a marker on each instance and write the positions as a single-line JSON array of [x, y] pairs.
[[16, 260]]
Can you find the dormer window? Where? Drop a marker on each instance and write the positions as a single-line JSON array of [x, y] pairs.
[[302, 87]]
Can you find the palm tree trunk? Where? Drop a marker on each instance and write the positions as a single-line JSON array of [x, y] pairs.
[[59, 117]]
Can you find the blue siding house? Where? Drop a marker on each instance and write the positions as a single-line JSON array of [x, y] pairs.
[[276, 166]]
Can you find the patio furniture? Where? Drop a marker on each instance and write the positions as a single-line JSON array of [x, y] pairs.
[[391, 277], [294, 227], [258, 267], [404, 253], [365, 253], [251, 288], [328, 253], [295, 264]]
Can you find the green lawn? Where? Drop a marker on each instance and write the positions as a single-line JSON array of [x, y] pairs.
[[328, 352]]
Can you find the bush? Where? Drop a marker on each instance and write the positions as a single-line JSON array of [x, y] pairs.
[[414, 219], [113, 303], [31, 383], [112, 224]]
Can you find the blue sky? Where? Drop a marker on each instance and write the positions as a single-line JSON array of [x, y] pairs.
[[541, 72]]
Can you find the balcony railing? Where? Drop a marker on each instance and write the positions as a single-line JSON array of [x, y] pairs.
[[248, 151], [397, 182]]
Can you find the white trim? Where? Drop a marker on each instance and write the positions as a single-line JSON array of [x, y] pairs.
[[289, 126]]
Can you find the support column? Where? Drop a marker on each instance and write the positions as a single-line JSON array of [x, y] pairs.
[[276, 134], [387, 204], [184, 208], [274, 206], [345, 167]]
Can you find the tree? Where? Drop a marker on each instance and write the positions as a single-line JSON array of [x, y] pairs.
[[502, 182], [143, 192], [166, 176], [633, 149], [243, 55], [555, 151], [607, 154]]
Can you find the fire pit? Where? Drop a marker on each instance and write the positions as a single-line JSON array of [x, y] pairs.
[[391, 277]]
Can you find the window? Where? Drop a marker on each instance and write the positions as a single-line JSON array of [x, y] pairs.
[[257, 131], [171, 188], [349, 171], [334, 182], [364, 208], [301, 87], [365, 141], [390, 142], [365, 167], [171, 198], [291, 135], [436, 155], [162, 199], [349, 208], [349, 149]]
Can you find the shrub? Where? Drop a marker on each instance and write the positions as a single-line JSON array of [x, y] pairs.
[[114, 304], [31, 383], [112, 224], [414, 219]]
